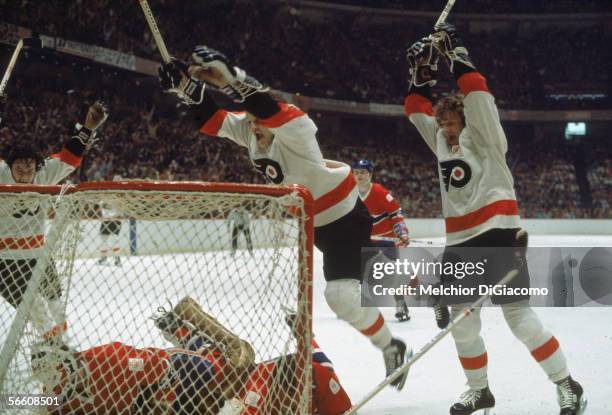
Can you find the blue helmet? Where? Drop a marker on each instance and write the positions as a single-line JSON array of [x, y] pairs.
[[363, 164]]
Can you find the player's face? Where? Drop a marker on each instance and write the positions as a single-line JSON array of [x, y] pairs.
[[262, 134], [362, 176], [451, 125], [23, 170]]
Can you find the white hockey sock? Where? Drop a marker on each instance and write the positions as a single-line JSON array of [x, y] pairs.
[[344, 298]]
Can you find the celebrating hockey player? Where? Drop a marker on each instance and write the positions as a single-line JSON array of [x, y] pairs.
[[389, 229], [282, 145], [22, 232], [239, 221], [209, 371], [480, 210]]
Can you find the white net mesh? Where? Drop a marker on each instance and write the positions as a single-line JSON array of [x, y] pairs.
[[113, 254]]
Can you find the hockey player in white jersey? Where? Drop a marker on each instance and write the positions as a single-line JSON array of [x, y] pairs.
[[282, 145], [22, 231], [480, 210], [238, 221]]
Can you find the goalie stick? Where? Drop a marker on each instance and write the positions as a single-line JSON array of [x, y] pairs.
[[159, 40], [28, 42], [430, 344]]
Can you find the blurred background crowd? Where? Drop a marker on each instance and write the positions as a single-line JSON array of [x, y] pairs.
[[340, 50]]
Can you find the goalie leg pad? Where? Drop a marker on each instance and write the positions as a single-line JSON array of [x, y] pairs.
[[240, 353], [344, 298]]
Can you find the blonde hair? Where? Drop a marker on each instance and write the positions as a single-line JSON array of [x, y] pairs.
[[453, 102]]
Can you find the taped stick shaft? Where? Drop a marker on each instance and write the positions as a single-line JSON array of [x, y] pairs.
[[429, 345], [11, 65], [445, 12], [159, 40]]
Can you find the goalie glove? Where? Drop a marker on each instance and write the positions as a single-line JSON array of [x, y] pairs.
[[237, 84], [173, 77], [448, 43], [423, 61]]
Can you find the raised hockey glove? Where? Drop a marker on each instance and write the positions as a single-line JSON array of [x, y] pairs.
[[173, 77], [450, 45], [233, 81], [86, 133], [423, 61]]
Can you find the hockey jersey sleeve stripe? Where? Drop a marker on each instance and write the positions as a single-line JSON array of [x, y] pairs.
[[501, 207], [28, 242], [336, 195], [472, 81], [415, 103], [213, 125], [66, 156], [286, 114], [546, 350], [474, 363]]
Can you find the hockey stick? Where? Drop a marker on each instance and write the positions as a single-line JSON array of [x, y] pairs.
[[159, 41], [445, 12], [408, 363], [388, 238], [23, 42]]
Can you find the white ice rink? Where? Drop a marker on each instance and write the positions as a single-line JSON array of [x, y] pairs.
[[434, 383]]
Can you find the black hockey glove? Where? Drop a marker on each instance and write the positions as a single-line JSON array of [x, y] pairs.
[[173, 76], [423, 61], [239, 84], [450, 45]]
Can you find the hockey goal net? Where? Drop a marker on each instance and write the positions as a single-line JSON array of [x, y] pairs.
[[85, 268]]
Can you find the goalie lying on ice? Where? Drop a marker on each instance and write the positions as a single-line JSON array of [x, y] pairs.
[[210, 371]]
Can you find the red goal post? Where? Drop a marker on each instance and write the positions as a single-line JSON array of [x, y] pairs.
[[173, 241]]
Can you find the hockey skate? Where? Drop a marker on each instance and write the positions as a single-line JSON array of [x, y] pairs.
[[401, 310], [442, 315], [117, 261], [102, 261], [395, 354], [474, 401], [570, 396]]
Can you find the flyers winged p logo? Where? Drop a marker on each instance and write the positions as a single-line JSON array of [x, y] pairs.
[[455, 172]]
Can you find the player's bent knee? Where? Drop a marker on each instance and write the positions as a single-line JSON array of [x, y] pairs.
[[525, 324], [343, 297]]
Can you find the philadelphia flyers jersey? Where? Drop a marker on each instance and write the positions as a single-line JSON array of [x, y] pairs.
[[384, 209], [293, 157], [475, 182], [22, 231]]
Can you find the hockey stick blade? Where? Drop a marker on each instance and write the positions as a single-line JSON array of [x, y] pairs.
[[429, 345]]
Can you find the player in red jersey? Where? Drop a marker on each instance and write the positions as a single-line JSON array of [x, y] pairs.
[[209, 371], [389, 229]]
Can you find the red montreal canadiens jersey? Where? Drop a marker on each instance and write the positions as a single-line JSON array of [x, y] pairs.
[[384, 209], [328, 396], [475, 182], [117, 372], [294, 157]]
